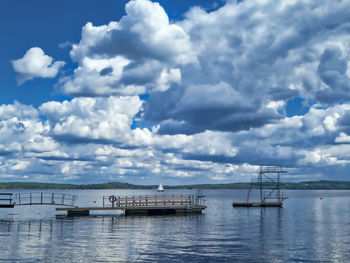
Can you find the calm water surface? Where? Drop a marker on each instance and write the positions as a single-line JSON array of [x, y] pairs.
[[307, 229]]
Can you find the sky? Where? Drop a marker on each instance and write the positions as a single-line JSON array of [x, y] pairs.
[[178, 92]]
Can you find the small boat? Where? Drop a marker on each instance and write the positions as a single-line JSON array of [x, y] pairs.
[[160, 188]]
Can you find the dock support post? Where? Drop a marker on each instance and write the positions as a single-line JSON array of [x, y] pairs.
[[278, 188], [260, 185]]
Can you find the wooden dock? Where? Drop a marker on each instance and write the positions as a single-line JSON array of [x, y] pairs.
[[142, 205], [257, 204]]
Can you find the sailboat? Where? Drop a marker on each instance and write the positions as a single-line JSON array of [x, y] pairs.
[[160, 188]]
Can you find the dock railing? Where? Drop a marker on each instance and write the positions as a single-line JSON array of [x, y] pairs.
[[148, 200], [6, 199], [45, 199], [272, 169]]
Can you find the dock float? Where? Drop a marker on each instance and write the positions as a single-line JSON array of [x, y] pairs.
[[142, 205], [257, 204]]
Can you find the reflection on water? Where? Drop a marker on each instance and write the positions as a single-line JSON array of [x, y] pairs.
[[307, 229]]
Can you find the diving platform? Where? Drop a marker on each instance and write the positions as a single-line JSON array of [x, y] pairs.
[[268, 185]]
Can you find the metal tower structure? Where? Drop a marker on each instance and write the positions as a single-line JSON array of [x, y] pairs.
[[269, 188], [269, 178]]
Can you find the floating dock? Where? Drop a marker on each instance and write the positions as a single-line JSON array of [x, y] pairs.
[[139, 205], [143, 205], [145, 210], [257, 204]]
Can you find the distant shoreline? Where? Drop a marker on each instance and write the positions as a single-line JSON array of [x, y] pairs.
[[306, 185]]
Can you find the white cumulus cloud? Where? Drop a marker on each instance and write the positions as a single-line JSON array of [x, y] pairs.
[[141, 52], [35, 64]]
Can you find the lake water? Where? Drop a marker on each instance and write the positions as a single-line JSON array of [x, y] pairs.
[[306, 229]]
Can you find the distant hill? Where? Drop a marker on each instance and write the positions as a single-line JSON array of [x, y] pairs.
[[323, 185], [312, 185]]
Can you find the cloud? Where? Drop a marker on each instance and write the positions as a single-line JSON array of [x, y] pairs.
[[167, 78], [218, 86], [197, 108], [142, 50], [22, 130], [90, 139], [262, 57], [144, 33], [17, 110], [23, 139], [221, 70], [333, 72], [95, 119], [35, 64], [98, 77]]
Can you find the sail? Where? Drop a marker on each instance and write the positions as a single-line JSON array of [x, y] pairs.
[[160, 188]]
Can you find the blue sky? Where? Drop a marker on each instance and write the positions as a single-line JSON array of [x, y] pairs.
[[175, 91]]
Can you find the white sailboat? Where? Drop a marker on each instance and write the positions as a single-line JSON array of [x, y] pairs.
[[160, 188]]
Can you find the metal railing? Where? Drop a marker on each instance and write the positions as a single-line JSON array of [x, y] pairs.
[[45, 199], [6, 200], [272, 169], [147, 200]]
